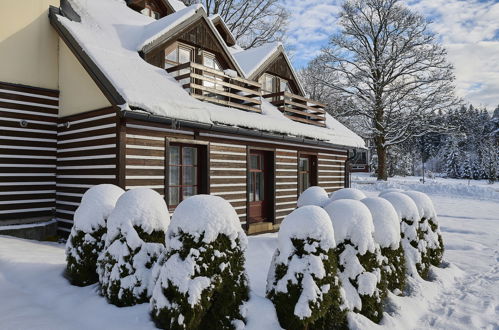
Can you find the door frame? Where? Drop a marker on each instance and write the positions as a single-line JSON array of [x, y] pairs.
[[270, 182]]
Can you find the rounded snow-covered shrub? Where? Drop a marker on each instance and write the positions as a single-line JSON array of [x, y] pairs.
[[387, 235], [429, 230], [313, 196], [135, 240], [87, 237], [303, 282], [347, 193], [360, 259], [414, 247], [200, 281], [387, 191]]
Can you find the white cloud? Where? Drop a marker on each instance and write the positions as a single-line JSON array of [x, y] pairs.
[[469, 29]]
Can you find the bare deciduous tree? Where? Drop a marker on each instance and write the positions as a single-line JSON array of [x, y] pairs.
[[387, 69], [252, 22]]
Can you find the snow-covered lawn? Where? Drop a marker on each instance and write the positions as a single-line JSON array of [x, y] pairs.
[[465, 295]]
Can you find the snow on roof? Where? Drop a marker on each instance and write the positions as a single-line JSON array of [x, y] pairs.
[[110, 34], [160, 27], [252, 59]]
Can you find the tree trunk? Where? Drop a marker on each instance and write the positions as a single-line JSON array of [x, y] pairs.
[[381, 151]]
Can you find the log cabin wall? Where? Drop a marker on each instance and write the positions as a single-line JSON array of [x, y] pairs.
[[87, 155], [28, 143], [331, 170], [226, 166], [286, 182], [228, 174]]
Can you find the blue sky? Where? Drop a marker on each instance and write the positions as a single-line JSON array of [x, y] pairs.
[[469, 29]]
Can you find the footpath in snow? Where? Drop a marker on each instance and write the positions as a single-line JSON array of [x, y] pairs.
[[465, 295]]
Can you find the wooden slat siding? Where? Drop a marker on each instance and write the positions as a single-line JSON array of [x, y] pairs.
[[86, 156], [27, 154], [228, 174], [331, 170], [286, 182]]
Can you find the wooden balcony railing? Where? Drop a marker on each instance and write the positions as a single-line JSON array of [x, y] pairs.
[[299, 108], [214, 86]]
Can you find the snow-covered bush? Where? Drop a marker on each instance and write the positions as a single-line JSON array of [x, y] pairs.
[[387, 191], [135, 239], [303, 282], [200, 281], [347, 193], [87, 237], [360, 259], [414, 247], [429, 230], [313, 196], [387, 235]]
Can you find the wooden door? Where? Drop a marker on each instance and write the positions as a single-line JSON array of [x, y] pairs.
[[259, 186]]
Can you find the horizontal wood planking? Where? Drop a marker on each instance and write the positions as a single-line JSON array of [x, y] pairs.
[[28, 125], [331, 170], [86, 156], [286, 182], [228, 174]]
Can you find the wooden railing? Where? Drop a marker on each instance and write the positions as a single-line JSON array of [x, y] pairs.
[[299, 108], [214, 86]]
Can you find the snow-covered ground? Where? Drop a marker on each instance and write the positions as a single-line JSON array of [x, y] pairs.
[[465, 295]]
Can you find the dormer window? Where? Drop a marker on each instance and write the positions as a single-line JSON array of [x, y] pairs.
[[151, 13], [273, 84]]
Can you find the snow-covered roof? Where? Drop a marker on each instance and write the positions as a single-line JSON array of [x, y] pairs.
[[251, 60], [110, 34]]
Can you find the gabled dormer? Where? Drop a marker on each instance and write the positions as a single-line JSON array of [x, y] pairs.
[[153, 8], [270, 66], [188, 46]]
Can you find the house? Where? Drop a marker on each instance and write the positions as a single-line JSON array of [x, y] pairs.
[[151, 93]]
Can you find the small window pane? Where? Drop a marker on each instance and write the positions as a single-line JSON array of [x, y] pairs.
[[250, 187], [305, 181], [189, 156], [174, 194], [255, 162], [174, 175], [188, 192], [174, 155], [184, 55], [189, 177], [172, 55], [304, 164], [208, 61], [259, 188]]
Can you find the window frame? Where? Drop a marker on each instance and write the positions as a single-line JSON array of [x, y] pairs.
[[313, 171], [202, 169]]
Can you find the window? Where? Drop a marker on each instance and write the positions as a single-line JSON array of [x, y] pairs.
[[178, 54], [211, 62], [184, 179], [273, 84], [151, 13], [307, 172]]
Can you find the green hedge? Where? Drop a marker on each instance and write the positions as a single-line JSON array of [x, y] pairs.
[[82, 251], [328, 311], [220, 304]]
